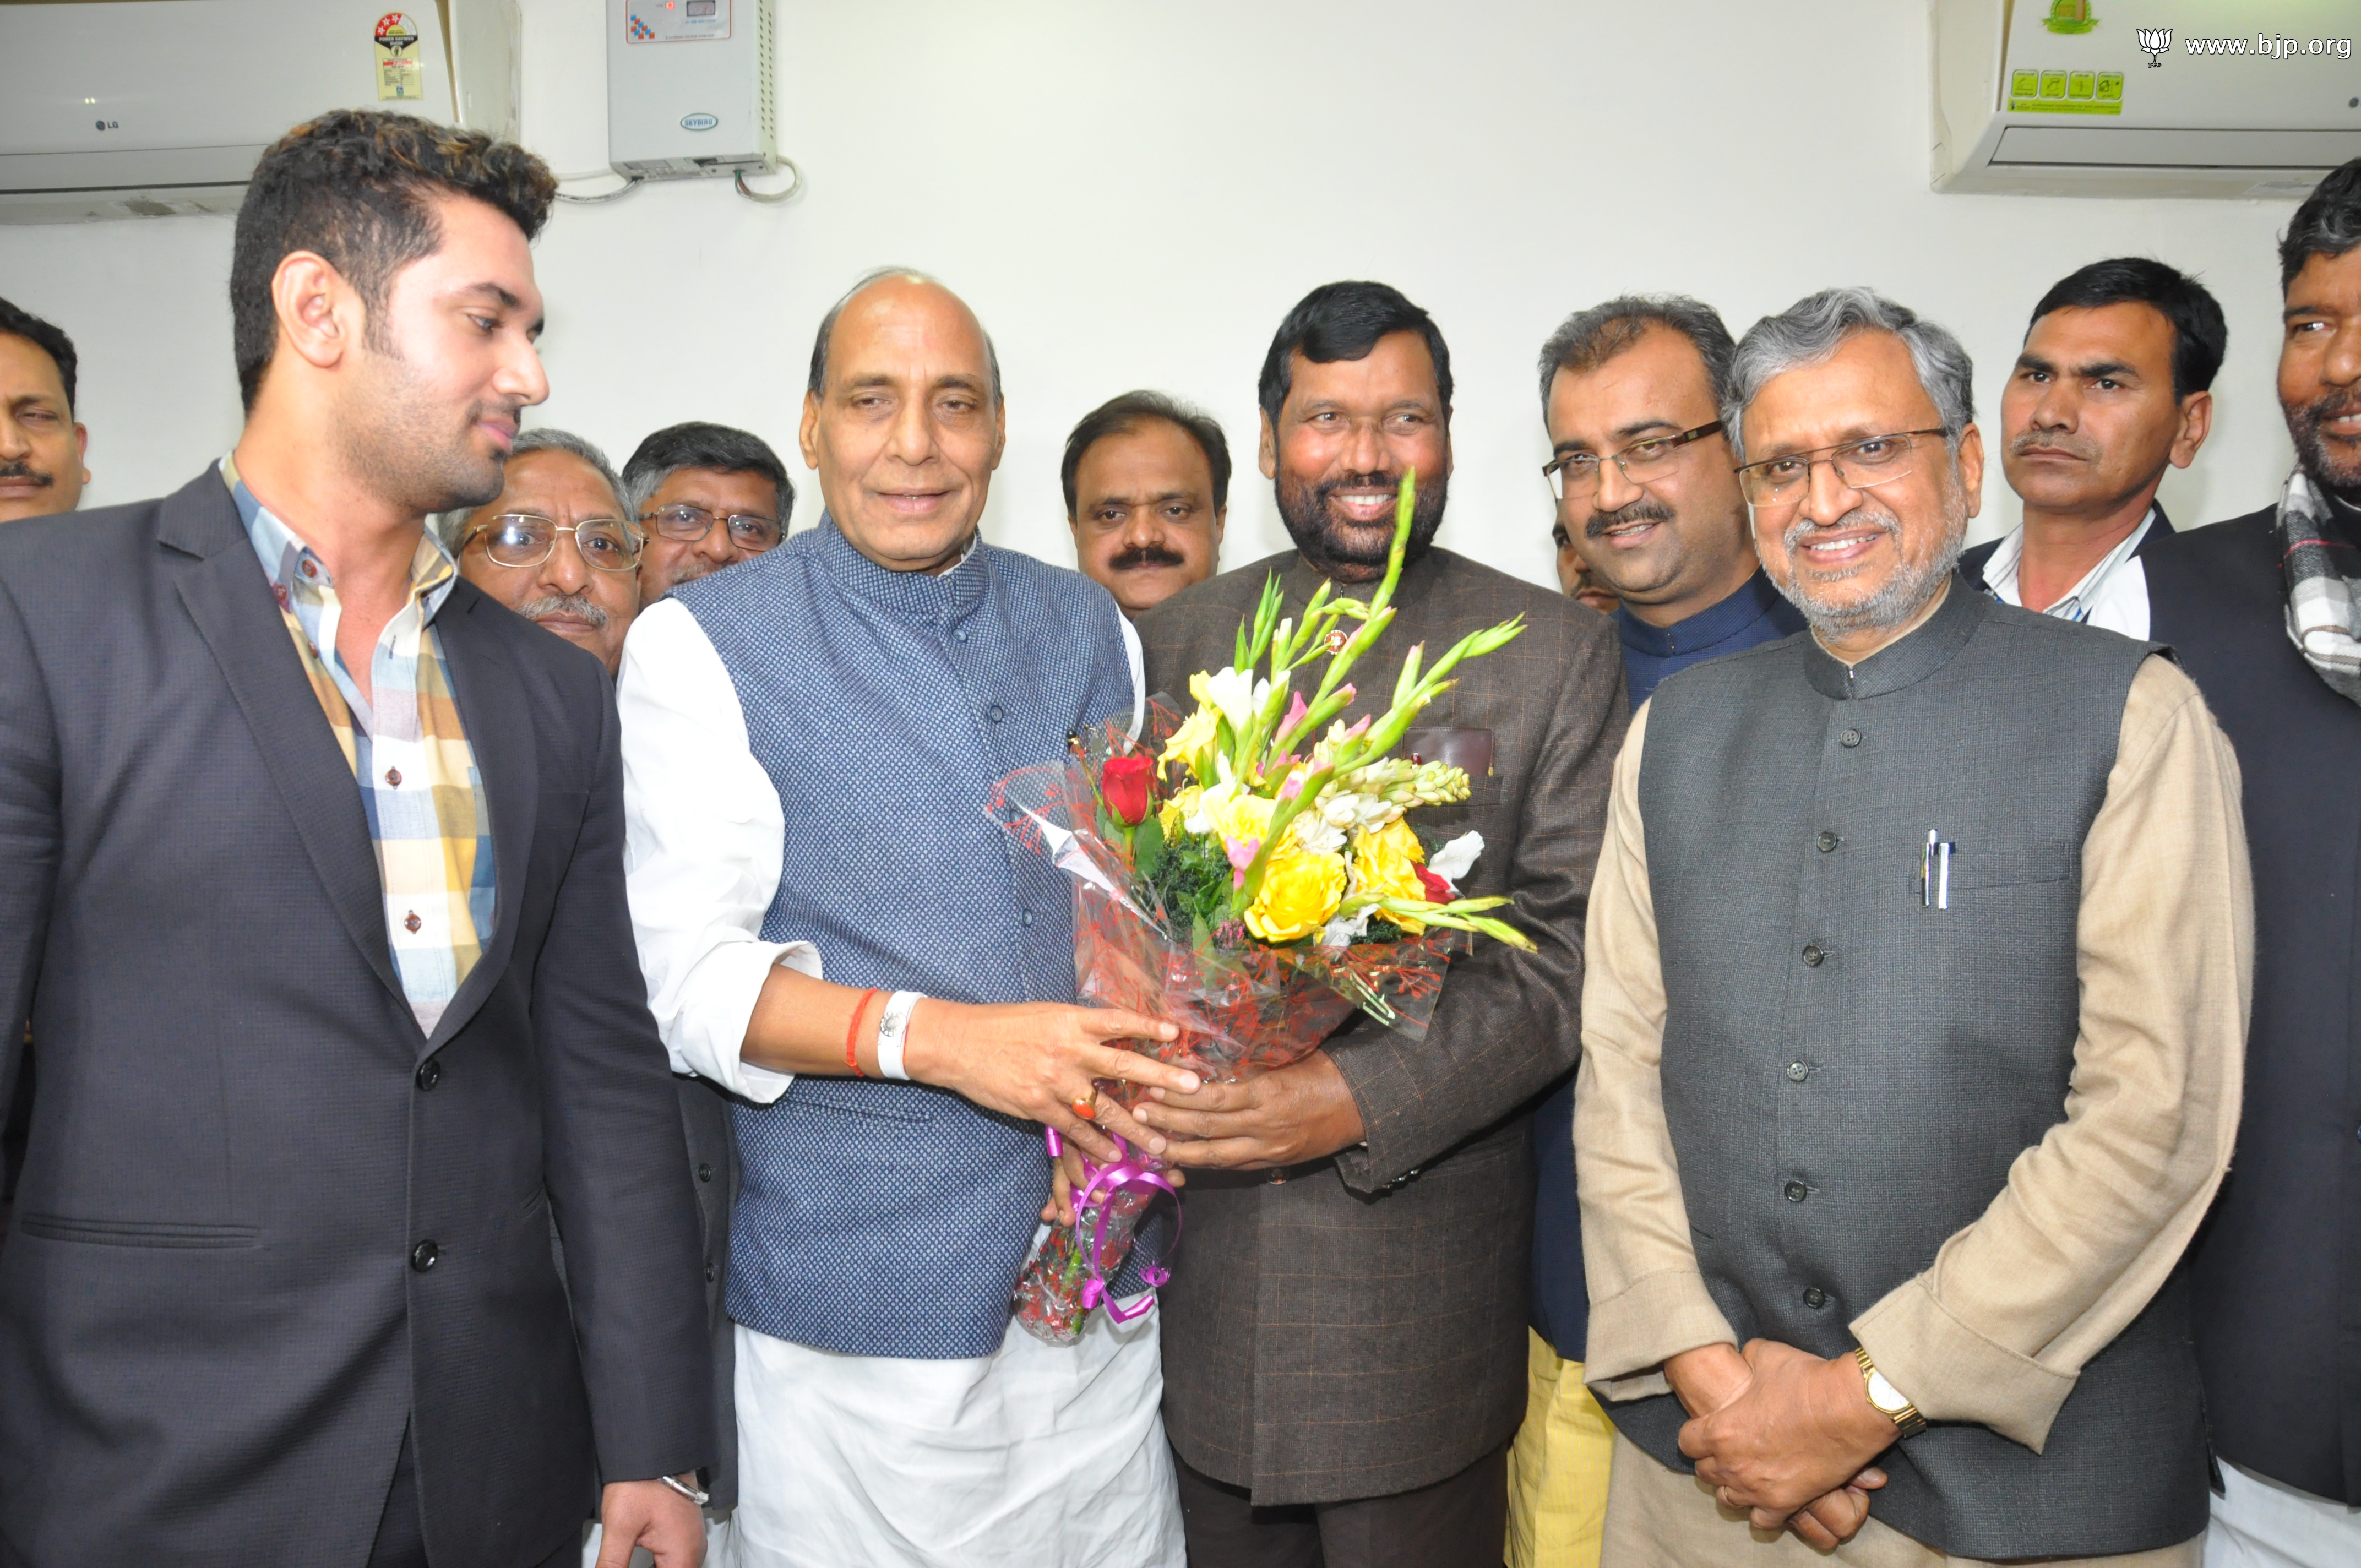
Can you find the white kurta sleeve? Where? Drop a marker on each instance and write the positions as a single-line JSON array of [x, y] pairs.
[[703, 838], [1138, 663]]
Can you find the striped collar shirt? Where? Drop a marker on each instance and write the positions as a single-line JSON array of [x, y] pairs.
[[420, 792]]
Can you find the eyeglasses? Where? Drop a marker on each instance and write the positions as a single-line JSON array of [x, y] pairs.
[[526, 539], [1576, 473], [686, 524], [1781, 483]]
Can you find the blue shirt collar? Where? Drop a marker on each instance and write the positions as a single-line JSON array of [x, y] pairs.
[[1708, 628]]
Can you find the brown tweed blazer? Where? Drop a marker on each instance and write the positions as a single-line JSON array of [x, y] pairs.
[[1358, 1329]]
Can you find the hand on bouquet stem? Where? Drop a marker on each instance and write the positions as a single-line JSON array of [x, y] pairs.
[[1038, 1059], [1291, 1115]]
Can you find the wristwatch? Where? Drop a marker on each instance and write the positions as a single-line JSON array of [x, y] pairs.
[[1888, 1400]]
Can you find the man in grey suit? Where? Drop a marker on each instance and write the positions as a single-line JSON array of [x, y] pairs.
[[310, 878], [1345, 1332]]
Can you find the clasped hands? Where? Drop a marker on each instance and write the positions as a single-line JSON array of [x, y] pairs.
[[1784, 1434]]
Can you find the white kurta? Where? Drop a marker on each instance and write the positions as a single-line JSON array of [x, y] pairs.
[[1046, 1456]]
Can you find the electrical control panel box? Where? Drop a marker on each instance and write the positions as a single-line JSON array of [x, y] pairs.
[[690, 88]]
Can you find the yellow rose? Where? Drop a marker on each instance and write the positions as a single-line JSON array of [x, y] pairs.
[[1382, 863], [1244, 817], [1299, 891]]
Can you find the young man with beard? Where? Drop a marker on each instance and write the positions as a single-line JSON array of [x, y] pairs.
[[310, 877], [1346, 1332], [1911, 1037], [1631, 394], [2260, 611], [2110, 390], [1148, 492]]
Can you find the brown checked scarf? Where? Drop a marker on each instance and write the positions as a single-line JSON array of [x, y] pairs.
[[2323, 581]]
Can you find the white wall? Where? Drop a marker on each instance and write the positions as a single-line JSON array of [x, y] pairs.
[[1133, 194]]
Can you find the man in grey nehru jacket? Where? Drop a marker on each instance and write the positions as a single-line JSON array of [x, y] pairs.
[[1920, 952]]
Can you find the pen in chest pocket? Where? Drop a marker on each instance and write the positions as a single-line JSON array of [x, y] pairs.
[[1935, 872]]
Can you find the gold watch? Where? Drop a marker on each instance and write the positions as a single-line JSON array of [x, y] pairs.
[[1888, 1400]]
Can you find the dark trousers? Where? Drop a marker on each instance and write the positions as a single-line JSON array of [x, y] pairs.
[[402, 1534], [1460, 1521]]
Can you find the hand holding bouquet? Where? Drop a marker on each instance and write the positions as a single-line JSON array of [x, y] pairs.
[[1250, 871]]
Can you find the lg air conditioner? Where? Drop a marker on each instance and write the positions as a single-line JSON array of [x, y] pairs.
[[146, 108], [2144, 97]]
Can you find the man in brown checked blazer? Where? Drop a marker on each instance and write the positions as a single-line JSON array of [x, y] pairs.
[[1345, 1332]]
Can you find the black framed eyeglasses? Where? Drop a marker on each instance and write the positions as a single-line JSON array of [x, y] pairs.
[[1576, 473], [1781, 483], [685, 524], [526, 539]]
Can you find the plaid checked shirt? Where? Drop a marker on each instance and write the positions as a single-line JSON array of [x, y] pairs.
[[420, 790]]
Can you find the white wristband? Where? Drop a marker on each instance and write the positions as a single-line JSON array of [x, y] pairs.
[[893, 1033]]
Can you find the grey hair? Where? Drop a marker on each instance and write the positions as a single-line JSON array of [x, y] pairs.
[[1814, 327], [450, 527], [1588, 339], [818, 384]]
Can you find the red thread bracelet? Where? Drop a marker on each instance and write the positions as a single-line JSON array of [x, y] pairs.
[[853, 1033]]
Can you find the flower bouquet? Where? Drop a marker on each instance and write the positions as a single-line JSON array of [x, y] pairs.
[[1250, 873]]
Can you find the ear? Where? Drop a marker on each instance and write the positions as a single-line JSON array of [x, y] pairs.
[[1267, 455], [320, 316], [999, 434], [1972, 468], [2196, 424], [1220, 521], [808, 436], [82, 449]]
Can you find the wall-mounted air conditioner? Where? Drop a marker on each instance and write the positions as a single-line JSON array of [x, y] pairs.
[[146, 108], [2144, 97]]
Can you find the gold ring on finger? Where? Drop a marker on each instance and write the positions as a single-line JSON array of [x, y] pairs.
[[1086, 1106]]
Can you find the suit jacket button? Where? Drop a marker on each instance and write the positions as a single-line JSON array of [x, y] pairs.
[[1815, 1297], [705, 1173], [430, 1072], [1828, 842], [711, 1274], [1849, 739], [425, 1255], [1796, 1191], [1812, 954], [1797, 1072]]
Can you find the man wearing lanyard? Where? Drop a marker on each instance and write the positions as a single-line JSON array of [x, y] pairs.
[[2111, 388]]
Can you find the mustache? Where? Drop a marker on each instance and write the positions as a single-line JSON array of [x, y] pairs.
[[2336, 405], [1144, 556], [1647, 509], [21, 469], [2064, 441], [577, 605], [1863, 516]]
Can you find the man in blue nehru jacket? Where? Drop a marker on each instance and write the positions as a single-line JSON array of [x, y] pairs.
[[1632, 394], [809, 743]]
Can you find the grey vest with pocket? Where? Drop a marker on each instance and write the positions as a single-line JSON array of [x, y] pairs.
[[1852, 1061]]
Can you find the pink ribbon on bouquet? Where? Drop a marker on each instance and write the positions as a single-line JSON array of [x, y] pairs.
[[1103, 1182]]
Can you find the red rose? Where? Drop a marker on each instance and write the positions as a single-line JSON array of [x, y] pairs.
[[1124, 784], [1437, 890]]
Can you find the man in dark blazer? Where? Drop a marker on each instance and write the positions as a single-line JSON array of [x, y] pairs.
[[321, 1058], [1345, 1332], [2259, 611]]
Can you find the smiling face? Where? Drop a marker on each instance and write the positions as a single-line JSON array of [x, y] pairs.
[[2320, 371], [1677, 543], [41, 445], [592, 610], [1345, 434], [1144, 521], [444, 371], [2089, 416], [1862, 564], [905, 435]]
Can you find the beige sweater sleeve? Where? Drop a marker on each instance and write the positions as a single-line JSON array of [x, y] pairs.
[[1647, 1300], [2095, 1215]]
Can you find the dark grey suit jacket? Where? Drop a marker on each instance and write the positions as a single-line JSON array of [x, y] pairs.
[[1358, 1329], [213, 1324]]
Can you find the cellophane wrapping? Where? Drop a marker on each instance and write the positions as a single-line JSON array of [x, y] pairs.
[[1241, 1010]]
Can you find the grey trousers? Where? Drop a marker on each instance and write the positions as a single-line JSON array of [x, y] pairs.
[[1457, 1522]]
